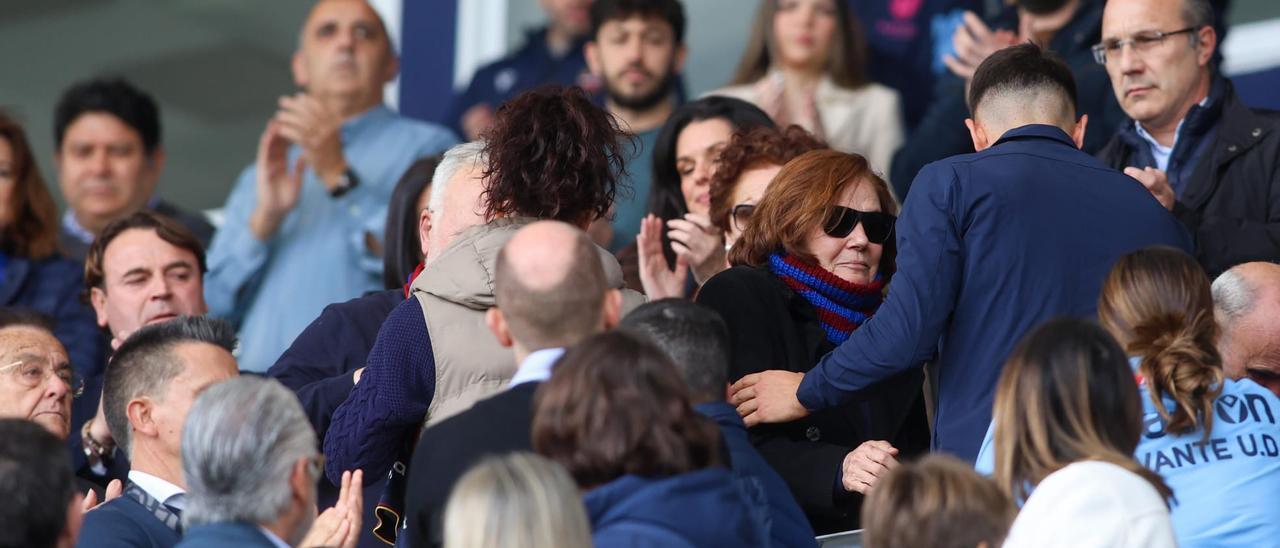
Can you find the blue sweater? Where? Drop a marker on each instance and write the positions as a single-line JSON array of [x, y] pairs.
[[769, 495], [705, 509], [991, 245]]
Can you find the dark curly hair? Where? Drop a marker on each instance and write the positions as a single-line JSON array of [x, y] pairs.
[[747, 150], [553, 154]]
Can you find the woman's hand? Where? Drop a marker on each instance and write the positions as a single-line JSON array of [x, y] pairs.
[[864, 466], [659, 282], [768, 397], [700, 243], [340, 525]]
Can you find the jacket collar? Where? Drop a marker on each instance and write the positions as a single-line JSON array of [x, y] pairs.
[[1239, 130], [1036, 131], [15, 275]]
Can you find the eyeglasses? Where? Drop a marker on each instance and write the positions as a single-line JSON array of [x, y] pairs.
[[1142, 42], [34, 373], [842, 220], [742, 215]]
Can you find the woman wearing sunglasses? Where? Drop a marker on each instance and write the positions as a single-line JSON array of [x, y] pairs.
[[810, 267], [747, 166]]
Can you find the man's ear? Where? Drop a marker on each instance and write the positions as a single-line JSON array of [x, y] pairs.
[[98, 298], [141, 420], [592, 52], [612, 309], [1208, 43], [978, 134], [1077, 135], [301, 482], [424, 230], [156, 164], [299, 69], [682, 53], [498, 326]]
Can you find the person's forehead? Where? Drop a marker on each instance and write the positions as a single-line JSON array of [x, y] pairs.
[[21, 341], [1124, 17], [141, 248], [636, 23], [99, 126], [341, 11]]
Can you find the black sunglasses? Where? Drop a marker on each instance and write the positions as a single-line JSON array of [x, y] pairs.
[[741, 215], [842, 220]]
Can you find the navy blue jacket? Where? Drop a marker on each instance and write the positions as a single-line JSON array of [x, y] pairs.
[[123, 523], [318, 367], [53, 286], [991, 245], [777, 509], [524, 69], [319, 363], [221, 535], [705, 509]]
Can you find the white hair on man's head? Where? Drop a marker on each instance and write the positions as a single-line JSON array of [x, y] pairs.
[[466, 155], [240, 444], [1233, 296]]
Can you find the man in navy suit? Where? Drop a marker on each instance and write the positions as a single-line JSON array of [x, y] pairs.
[[990, 245], [150, 384]]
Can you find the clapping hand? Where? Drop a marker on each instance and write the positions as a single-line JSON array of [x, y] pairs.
[[340, 525], [974, 41]]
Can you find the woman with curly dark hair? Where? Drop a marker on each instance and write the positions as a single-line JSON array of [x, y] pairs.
[[616, 415], [551, 154], [33, 274]]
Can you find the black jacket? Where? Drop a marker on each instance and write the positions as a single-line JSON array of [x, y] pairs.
[[772, 327], [495, 426], [1231, 204]]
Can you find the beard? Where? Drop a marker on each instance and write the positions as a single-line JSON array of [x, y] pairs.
[[644, 100]]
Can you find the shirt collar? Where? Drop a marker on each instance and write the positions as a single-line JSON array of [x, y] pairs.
[[536, 367], [273, 538], [1037, 131], [372, 117], [161, 490], [1150, 139], [72, 226]]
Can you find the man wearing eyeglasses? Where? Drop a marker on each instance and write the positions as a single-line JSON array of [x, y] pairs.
[[1191, 141]]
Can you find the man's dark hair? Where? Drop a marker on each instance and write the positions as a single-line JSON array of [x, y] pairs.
[[37, 483], [1020, 68], [167, 229], [553, 154], [145, 364], [1042, 7], [693, 336], [671, 11], [116, 97], [1198, 14], [16, 316]]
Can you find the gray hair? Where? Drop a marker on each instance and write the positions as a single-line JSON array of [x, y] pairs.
[[1233, 297], [145, 364], [520, 500], [240, 444], [468, 155], [1197, 13]]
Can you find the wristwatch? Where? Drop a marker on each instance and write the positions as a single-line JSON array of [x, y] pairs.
[[94, 450], [346, 181]]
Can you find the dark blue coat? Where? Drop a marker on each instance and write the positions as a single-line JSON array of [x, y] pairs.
[[122, 522], [705, 509], [53, 287], [318, 368], [778, 510], [991, 245], [221, 535]]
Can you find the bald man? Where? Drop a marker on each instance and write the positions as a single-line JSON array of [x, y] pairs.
[[303, 222], [1246, 300], [551, 293], [990, 245]]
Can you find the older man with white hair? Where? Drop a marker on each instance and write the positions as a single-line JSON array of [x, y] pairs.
[[1246, 302], [251, 466]]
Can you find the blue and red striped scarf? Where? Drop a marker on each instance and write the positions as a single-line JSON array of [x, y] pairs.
[[842, 306]]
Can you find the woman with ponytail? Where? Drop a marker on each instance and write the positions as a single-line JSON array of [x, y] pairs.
[[1066, 420], [1215, 441], [809, 269]]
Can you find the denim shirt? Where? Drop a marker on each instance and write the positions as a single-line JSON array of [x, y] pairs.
[[272, 289]]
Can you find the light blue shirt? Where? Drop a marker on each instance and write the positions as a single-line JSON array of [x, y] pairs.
[[1158, 151], [1226, 491], [536, 367], [318, 255]]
